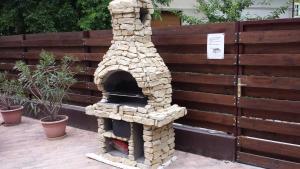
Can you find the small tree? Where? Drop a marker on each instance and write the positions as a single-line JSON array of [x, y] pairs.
[[32, 16], [11, 92], [229, 11], [48, 82]]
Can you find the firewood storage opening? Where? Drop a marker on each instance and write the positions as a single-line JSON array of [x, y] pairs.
[[123, 89], [120, 135]]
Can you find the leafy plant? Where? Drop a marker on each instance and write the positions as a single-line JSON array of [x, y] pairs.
[[48, 82], [229, 11], [11, 92], [34, 16]]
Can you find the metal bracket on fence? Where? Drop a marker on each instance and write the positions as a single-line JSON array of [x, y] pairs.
[[239, 87]]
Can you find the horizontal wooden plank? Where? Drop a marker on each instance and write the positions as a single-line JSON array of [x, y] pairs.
[[89, 71], [55, 36], [199, 78], [259, 37], [197, 141], [269, 59], [202, 97], [180, 95], [197, 59], [269, 104], [98, 34], [11, 38], [59, 55], [97, 57], [98, 42], [80, 85], [193, 39], [212, 117], [6, 66], [266, 162], [287, 83], [267, 146], [280, 127], [227, 28], [52, 43], [82, 98], [272, 22], [10, 44], [85, 85], [11, 55]]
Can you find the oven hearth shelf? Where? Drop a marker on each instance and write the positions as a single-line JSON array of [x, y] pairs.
[[117, 153], [110, 134], [131, 95]]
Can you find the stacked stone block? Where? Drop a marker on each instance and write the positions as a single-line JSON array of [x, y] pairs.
[[132, 51], [159, 144]]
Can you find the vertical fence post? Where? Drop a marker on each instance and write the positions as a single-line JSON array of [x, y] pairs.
[[87, 50], [237, 87]]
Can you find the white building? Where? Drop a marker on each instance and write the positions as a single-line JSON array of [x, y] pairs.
[[188, 7]]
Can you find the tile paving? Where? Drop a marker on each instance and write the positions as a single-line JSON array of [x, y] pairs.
[[25, 147]]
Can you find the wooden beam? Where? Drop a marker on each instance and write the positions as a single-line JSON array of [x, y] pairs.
[[280, 127], [269, 146], [266, 162]]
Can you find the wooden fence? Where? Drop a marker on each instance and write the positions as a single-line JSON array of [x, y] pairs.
[[269, 106], [252, 97]]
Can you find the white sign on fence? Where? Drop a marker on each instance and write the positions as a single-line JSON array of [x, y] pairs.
[[215, 46]]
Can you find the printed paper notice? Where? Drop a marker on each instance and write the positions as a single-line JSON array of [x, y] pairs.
[[215, 46]]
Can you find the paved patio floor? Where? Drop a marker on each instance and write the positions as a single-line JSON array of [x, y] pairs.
[[25, 147]]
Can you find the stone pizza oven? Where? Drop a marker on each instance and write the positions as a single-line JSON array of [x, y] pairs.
[[135, 114]]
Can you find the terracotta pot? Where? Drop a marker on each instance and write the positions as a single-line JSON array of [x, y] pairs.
[[12, 117], [55, 129]]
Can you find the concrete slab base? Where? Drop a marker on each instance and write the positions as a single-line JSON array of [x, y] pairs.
[[123, 166]]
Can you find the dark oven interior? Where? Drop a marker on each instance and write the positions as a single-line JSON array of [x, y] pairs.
[[122, 88]]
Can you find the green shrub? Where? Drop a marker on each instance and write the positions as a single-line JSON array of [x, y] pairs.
[[48, 82], [11, 92]]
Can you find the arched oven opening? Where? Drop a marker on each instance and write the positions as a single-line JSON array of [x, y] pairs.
[[123, 89]]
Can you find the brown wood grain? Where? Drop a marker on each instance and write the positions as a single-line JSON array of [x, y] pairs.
[[82, 98], [55, 36], [50, 43], [204, 97], [280, 127], [270, 104], [6, 66], [212, 117], [201, 59], [269, 146], [270, 59], [196, 39], [281, 36], [227, 28], [200, 78], [287, 83], [11, 55], [266, 162], [10, 44]]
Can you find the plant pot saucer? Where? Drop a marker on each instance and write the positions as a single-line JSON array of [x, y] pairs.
[[57, 138], [8, 125]]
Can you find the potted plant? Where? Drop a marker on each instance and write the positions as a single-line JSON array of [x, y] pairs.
[[11, 95], [48, 84]]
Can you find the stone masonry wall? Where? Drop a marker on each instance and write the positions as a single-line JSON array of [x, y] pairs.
[[132, 51]]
